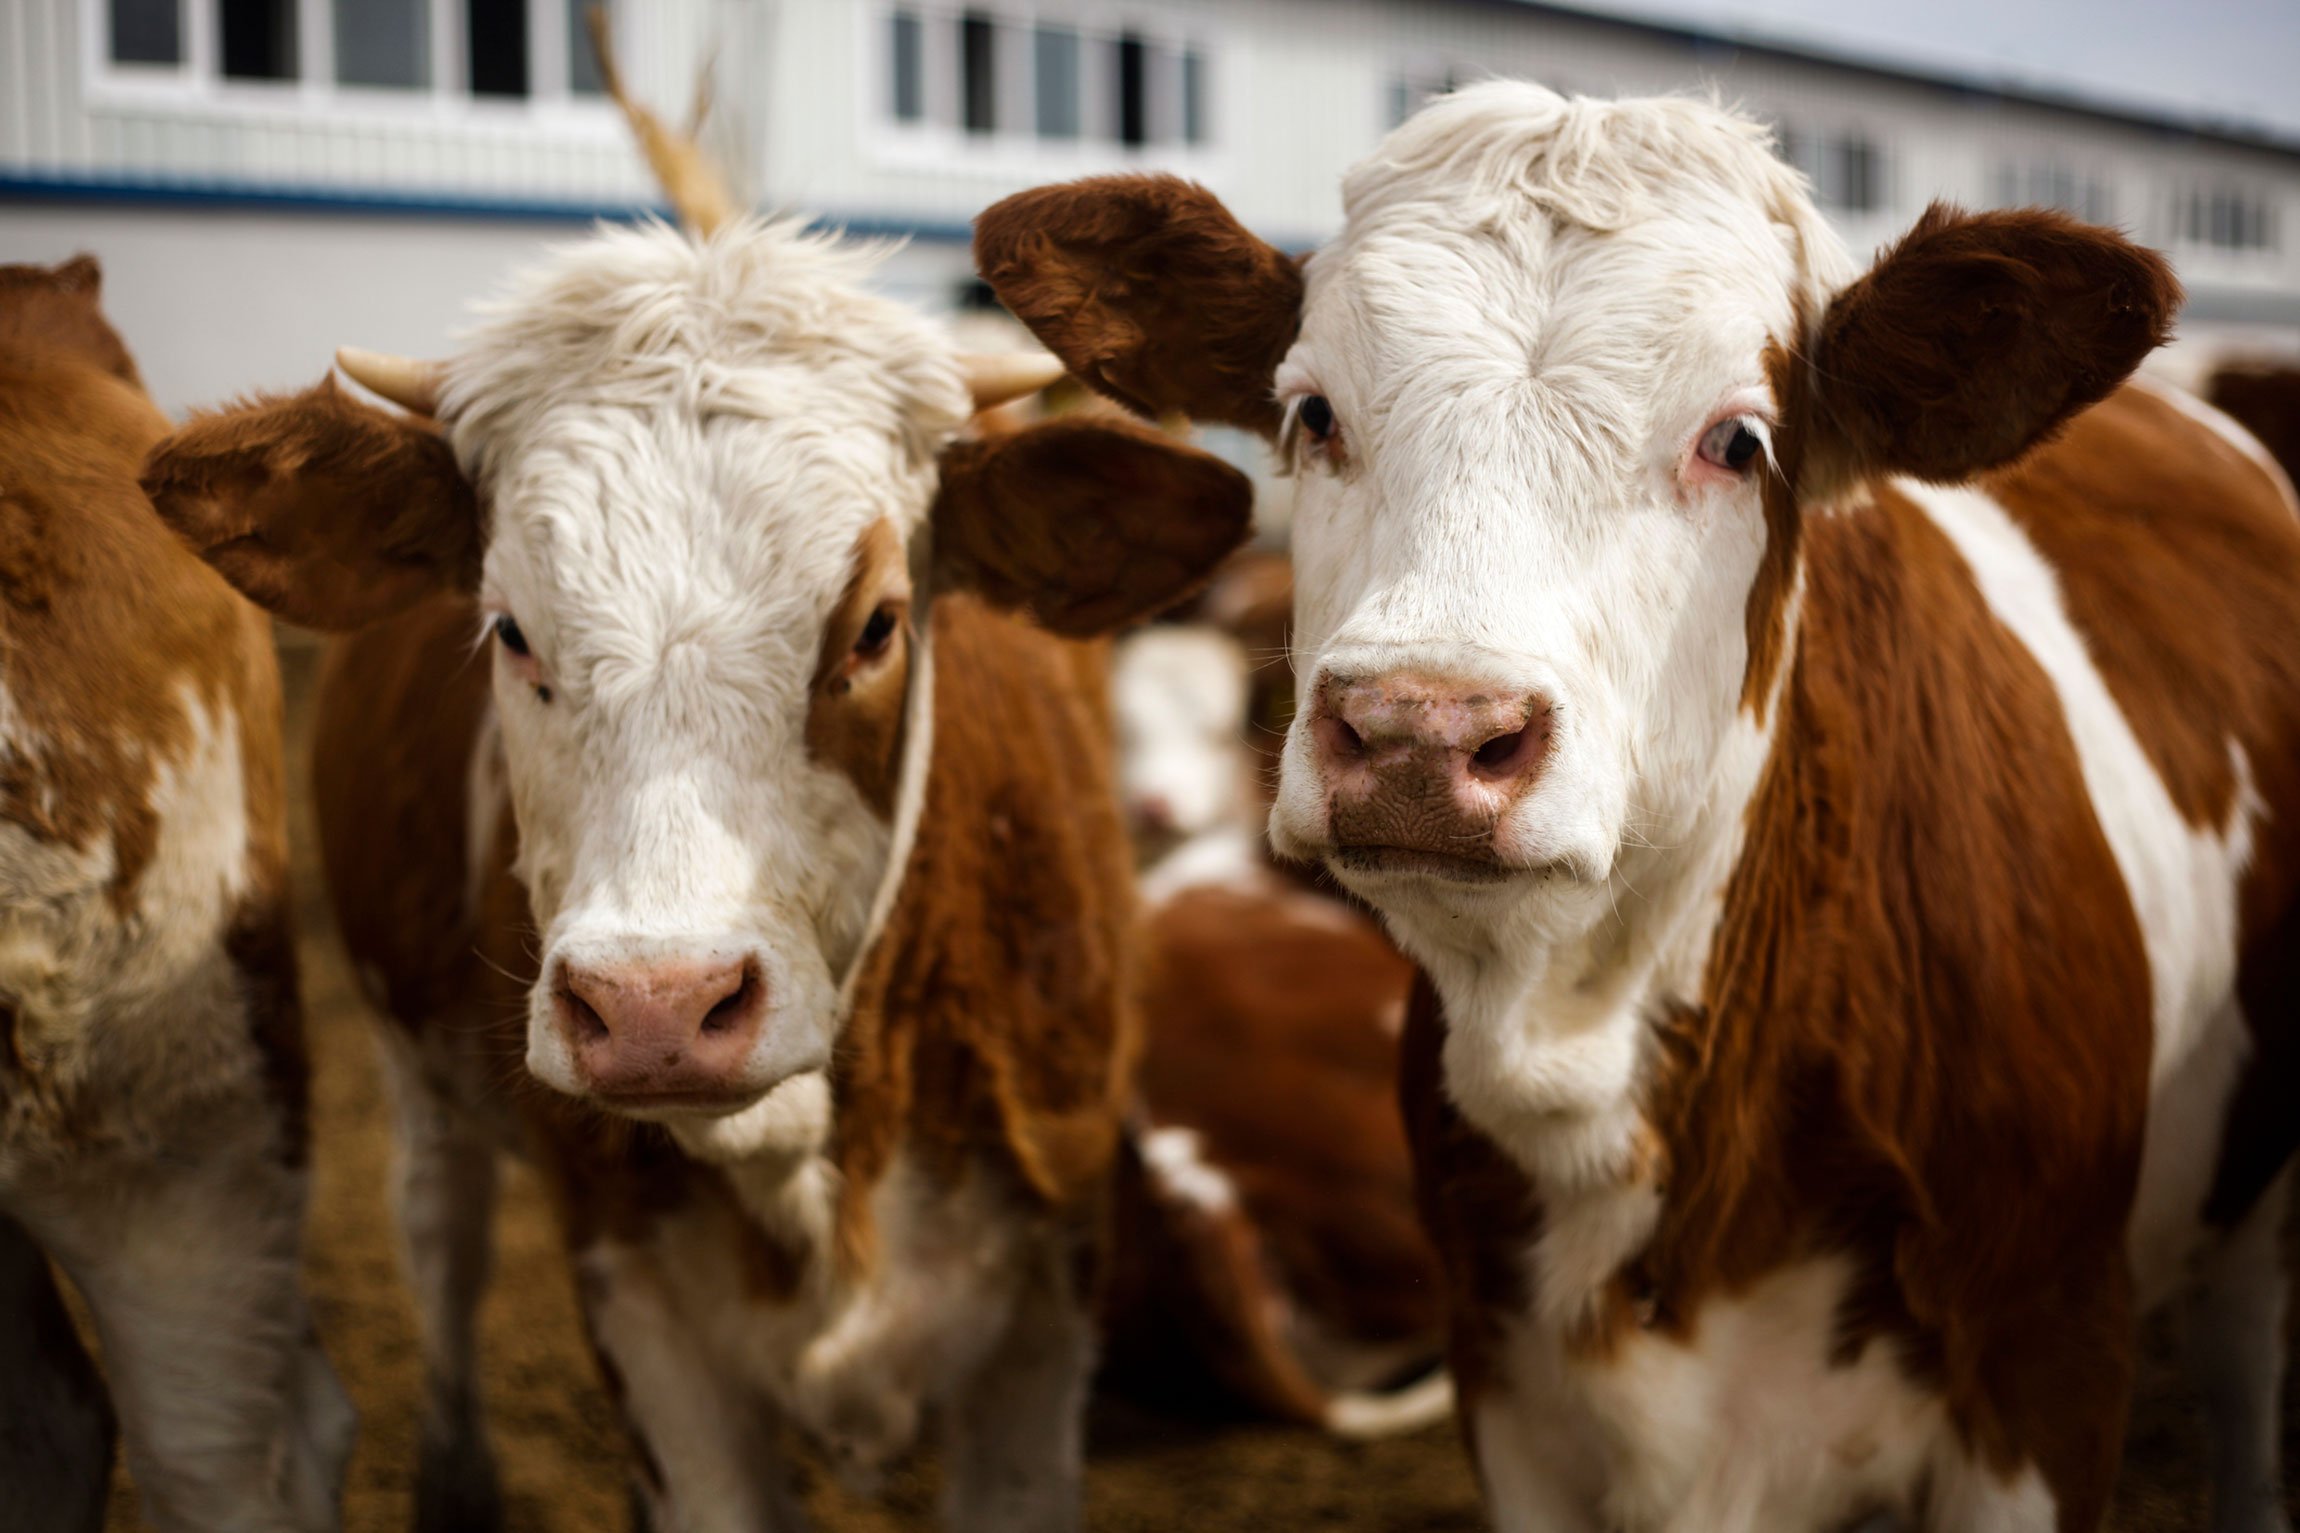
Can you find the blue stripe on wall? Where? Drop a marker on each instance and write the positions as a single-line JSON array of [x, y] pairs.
[[23, 186]]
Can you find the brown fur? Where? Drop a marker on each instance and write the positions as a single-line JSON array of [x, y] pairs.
[[328, 511], [2190, 622], [1271, 1018], [1148, 289], [58, 311], [2264, 397], [1980, 333], [1086, 524], [854, 713]]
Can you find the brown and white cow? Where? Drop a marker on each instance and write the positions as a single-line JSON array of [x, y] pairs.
[[1835, 756], [1267, 1243], [2262, 395], [1266, 1240], [687, 745], [152, 1091]]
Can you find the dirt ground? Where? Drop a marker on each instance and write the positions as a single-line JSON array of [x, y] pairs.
[[557, 1441]]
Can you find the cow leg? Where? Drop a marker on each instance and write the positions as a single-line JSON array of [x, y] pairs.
[[56, 1425], [231, 1416], [1014, 1436], [707, 1455], [2233, 1327], [444, 1190]]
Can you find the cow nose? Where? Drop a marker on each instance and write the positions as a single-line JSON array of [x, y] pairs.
[[667, 1028], [1405, 722]]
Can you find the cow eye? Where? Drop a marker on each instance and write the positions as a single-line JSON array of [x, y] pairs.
[[1731, 444], [1316, 413], [508, 635], [876, 632]]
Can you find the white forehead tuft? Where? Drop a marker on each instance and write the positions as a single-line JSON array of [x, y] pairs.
[[763, 319], [1594, 270], [1491, 152]]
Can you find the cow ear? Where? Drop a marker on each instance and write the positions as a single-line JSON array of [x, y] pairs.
[[324, 510], [1149, 290], [1977, 336], [1086, 525]]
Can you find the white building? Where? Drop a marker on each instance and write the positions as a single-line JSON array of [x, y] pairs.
[[266, 178]]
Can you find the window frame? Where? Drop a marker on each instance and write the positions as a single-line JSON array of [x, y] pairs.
[[196, 84], [939, 141]]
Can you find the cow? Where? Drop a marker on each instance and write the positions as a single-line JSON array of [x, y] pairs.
[[1266, 1241], [1834, 754], [152, 1087], [2263, 395], [714, 787]]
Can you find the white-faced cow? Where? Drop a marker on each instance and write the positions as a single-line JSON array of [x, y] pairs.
[[690, 749], [151, 1069], [1835, 755]]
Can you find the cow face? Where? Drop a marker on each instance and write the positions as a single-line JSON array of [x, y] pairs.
[[698, 489], [1555, 400]]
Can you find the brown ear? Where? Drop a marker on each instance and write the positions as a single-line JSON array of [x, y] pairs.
[[1149, 290], [1087, 525], [61, 308], [1979, 334], [328, 512]]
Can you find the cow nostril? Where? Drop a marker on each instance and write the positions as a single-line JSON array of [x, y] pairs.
[[1508, 755], [733, 1007], [1338, 740], [590, 1027]]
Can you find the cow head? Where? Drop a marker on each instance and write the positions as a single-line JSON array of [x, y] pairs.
[[1556, 400], [700, 488], [60, 309]]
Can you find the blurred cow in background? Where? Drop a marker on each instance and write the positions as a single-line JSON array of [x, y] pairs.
[[2263, 396], [690, 746], [152, 1091], [1266, 1237]]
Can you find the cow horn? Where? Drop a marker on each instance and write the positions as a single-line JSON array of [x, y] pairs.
[[995, 378], [697, 192], [404, 381]]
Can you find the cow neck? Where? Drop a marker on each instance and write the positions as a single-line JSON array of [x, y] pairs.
[[768, 1145], [1550, 1054]]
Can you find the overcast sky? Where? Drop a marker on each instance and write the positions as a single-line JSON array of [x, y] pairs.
[[2233, 61]]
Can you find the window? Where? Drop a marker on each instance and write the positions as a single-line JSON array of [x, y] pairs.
[[907, 44], [1860, 176], [2226, 219], [2053, 185], [992, 73], [1847, 170], [1056, 78], [497, 30], [147, 31], [978, 57], [1193, 97], [258, 39], [383, 42], [583, 77], [1133, 91], [1413, 88]]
